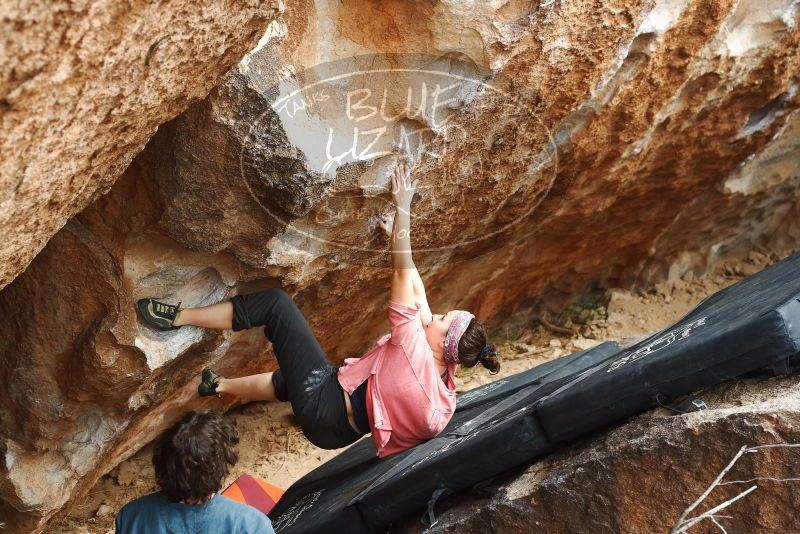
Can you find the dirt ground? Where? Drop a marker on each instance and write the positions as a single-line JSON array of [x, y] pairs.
[[273, 447]]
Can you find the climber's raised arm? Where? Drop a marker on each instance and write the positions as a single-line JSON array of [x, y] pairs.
[[403, 268]]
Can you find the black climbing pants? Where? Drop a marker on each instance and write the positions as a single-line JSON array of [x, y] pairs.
[[305, 376]]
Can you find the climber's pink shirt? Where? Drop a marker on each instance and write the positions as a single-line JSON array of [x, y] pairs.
[[407, 400]]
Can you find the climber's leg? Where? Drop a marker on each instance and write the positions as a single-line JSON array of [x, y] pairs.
[[217, 316], [305, 377], [301, 360], [298, 352], [249, 388]]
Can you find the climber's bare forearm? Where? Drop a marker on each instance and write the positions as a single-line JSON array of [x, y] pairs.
[[403, 268], [418, 286], [401, 239], [403, 187]]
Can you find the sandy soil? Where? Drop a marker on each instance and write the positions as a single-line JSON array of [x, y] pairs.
[[274, 448]]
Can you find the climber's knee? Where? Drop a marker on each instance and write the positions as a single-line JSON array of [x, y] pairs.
[[279, 384]]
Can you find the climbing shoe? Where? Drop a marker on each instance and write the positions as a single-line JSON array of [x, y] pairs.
[[209, 383], [158, 314]]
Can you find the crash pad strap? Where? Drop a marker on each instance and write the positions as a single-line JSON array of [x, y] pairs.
[[429, 519], [691, 404]]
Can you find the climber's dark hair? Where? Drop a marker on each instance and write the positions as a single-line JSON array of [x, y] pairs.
[[471, 345], [193, 457]]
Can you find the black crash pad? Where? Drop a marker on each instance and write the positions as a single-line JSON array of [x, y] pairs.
[[750, 325]]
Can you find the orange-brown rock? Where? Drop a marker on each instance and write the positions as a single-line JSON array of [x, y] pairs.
[[83, 86], [83, 386], [587, 146]]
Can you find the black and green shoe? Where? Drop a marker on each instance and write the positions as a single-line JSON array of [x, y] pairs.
[[157, 314], [209, 383]]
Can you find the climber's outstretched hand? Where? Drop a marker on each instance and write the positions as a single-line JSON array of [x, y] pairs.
[[403, 186]]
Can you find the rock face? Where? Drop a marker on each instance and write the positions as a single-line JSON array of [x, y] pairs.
[[83, 384], [642, 476], [568, 148], [83, 86]]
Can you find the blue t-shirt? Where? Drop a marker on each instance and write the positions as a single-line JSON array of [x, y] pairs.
[[155, 514]]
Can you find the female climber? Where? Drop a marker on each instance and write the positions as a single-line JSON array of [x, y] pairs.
[[402, 390]]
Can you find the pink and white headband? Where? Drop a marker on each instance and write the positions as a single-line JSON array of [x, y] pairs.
[[454, 333]]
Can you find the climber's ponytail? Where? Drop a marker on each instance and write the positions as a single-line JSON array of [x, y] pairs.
[[489, 359], [473, 348]]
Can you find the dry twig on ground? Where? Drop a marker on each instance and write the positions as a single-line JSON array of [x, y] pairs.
[[554, 328], [684, 522]]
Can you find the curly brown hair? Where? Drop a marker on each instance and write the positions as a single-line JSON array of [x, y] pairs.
[[193, 457], [471, 348]]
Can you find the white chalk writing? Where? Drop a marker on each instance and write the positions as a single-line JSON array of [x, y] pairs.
[[290, 516], [657, 344]]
